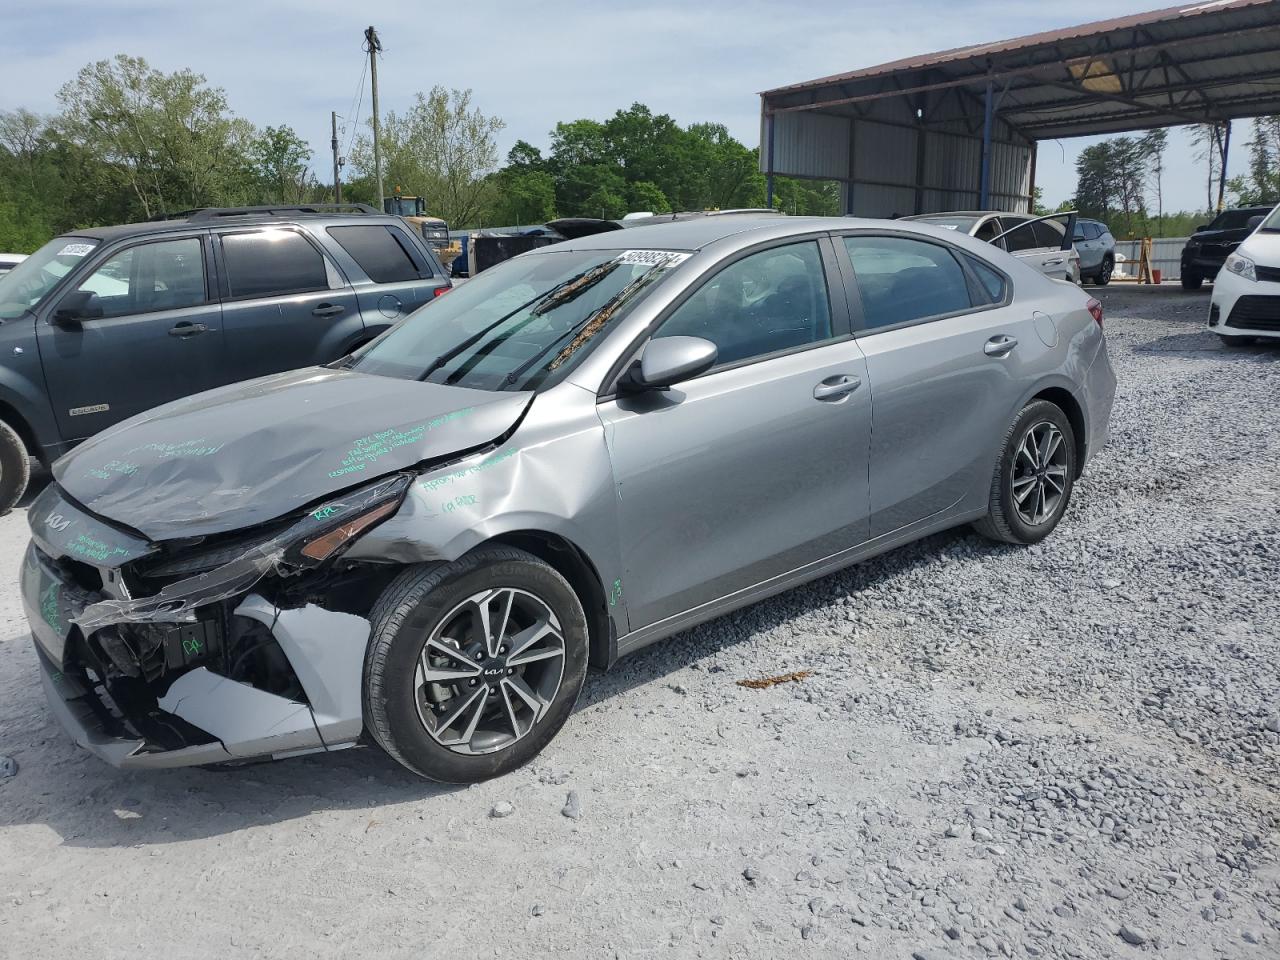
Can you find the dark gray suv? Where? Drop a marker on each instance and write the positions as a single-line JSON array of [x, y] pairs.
[[106, 322]]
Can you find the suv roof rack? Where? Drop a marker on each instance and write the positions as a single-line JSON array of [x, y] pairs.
[[215, 213]]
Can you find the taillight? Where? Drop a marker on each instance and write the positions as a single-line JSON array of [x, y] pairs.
[[1095, 310]]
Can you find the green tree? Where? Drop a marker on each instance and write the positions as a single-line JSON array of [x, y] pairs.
[[281, 164], [443, 149], [1262, 183], [170, 138]]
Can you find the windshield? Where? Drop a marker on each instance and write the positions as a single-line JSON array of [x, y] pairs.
[[519, 325], [1235, 219], [1272, 223], [30, 281]]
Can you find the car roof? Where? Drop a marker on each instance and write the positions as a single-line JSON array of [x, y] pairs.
[[152, 227], [704, 231]]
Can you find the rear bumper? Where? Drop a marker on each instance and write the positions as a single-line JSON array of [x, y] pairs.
[[1100, 394], [199, 716]]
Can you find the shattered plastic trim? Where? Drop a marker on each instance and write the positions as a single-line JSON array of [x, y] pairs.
[[178, 601]]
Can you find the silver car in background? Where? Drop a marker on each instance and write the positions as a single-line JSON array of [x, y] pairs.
[[583, 451]]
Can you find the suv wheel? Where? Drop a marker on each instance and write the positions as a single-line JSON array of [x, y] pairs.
[[473, 666], [1235, 341], [1033, 478], [15, 467], [1192, 280], [1105, 271]]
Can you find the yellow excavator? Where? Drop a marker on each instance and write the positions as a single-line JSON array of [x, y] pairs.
[[414, 210]]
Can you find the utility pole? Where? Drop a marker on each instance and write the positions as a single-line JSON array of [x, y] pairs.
[[337, 181], [374, 46]]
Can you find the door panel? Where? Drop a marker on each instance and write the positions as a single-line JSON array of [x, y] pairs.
[[403, 278], [284, 304], [159, 337], [738, 476], [941, 406], [943, 359]]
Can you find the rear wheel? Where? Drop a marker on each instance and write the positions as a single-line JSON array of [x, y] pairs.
[[15, 467], [1033, 478], [1104, 272], [1191, 280], [1236, 341], [475, 665]]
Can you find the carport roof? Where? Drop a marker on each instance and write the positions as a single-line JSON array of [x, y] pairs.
[[1189, 64]]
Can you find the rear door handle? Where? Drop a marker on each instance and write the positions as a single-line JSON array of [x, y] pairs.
[[187, 329], [1053, 263], [328, 310], [835, 387], [999, 346]]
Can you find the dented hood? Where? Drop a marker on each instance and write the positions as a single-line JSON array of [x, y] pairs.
[[241, 455]]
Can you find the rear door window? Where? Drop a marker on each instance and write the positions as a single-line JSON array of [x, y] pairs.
[[1020, 237], [384, 253], [1049, 233], [272, 262], [902, 279]]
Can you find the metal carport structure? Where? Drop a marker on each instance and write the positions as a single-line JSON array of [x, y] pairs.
[[958, 129]]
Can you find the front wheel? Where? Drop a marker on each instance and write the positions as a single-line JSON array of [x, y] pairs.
[[1192, 280], [1033, 478], [15, 468], [1235, 341], [1104, 272], [473, 666]]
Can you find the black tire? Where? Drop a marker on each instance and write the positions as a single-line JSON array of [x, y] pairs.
[[1004, 520], [15, 468], [1236, 341], [1192, 280], [1103, 276], [411, 607]]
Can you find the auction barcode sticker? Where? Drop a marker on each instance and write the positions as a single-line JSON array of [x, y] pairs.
[[74, 249], [654, 258]]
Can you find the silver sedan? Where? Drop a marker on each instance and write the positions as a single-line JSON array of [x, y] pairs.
[[582, 451]]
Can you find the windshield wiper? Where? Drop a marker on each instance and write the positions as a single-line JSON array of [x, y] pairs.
[[587, 329], [472, 340]]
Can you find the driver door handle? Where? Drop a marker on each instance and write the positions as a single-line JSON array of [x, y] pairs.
[[999, 346], [187, 329], [328, 310], [1053, 263], [833, 388]]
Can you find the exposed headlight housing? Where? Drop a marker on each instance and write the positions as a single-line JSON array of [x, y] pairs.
[[329, 529], [1241, 266]]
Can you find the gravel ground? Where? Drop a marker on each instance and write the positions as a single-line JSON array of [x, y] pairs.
[[1066, 751]]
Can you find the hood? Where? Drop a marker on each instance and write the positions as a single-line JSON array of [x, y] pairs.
[[241, 455], [1263, 248]]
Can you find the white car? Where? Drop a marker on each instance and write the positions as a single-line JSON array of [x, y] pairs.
[[1246, 292], [10, 260], [1039, 242]]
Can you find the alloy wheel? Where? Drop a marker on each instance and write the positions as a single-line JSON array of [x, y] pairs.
[[489, 671], [1039, 473]]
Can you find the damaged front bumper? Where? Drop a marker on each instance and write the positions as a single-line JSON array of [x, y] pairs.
[[166, 680]]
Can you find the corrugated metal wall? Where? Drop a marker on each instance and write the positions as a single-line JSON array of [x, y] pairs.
[[879, 163]]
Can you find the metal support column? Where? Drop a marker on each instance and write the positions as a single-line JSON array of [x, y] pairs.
[[768, 153], [1222, 172], [984, 190]]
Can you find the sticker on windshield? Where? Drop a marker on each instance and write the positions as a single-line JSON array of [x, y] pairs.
[[947, 226], [74, 249], [654, 258]]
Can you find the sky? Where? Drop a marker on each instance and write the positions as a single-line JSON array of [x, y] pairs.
[[534, 64]]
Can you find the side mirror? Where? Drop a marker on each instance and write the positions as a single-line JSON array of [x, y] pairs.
[[76, 306], [1253, 222], [668, 360]]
